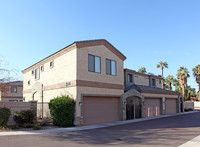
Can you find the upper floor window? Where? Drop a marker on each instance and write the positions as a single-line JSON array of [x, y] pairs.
[[13, 89], [94, 63], [37, 73], [51, 64], [153, 82], [130, 78], [42, 68], [29, 82], [32, 72], [111, 67]]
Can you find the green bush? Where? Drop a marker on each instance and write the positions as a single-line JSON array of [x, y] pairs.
[[23, 117], [4, 116], [36, 127], [62, 111], [189, 109]]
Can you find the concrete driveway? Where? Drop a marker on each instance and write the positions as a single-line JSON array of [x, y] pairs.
[[170, 131]]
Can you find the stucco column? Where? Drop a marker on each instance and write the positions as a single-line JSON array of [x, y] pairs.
[[163, 105]]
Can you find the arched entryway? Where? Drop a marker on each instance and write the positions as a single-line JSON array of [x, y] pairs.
[[133, 108], [132, 105]]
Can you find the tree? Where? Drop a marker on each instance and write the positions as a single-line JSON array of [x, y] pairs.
[[182, 75], [142, 69], [191, 92], [169, 80], [6, 76], [176, 84], [162, 65], [196, 73]]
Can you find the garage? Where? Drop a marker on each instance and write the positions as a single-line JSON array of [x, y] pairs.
[[152, 107], [171, 105], [99, 109]]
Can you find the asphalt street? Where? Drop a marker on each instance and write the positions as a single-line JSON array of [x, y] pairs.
[[170, 132]]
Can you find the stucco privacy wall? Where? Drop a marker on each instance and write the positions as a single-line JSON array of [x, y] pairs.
[[17, 106], [64, 70]]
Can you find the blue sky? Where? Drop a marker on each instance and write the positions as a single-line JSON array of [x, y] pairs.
[[145, 31]]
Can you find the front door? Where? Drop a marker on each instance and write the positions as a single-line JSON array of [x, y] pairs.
[[133, 108]]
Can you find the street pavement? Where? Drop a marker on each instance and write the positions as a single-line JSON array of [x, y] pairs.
[[168, 131]]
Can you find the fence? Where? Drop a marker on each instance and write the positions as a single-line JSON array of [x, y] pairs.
[[45, 109], [17, 106], [193, 105]]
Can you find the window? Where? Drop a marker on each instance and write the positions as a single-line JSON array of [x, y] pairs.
[[37, 74], [51, 64], [32, 72], [42, 68], [94, 63], [111, 67], [13, 89], [153, 82], [130, 78], [29, 82], [159, 81]]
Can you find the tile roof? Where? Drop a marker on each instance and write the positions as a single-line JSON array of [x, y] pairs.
[[150, 89]]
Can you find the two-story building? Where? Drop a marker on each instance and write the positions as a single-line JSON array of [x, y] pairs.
[[12, 92], [92, 73]]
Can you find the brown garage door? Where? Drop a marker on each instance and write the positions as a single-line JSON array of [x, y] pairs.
[[152, 107], [100, 109], [171, 106]]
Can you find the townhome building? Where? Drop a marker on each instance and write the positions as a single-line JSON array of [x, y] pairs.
[[92, 72], [12, 92], [146, 98]]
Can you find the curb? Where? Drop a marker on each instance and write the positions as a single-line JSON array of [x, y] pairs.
[[89, 127]]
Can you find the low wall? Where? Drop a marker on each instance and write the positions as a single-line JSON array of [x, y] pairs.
[[46, 110], [196, 105], [188, 105], [17, 106], [193, 105]]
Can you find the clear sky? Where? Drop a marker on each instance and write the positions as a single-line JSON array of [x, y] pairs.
[[145, 31]]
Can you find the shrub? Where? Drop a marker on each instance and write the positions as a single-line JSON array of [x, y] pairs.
[[62, 111], [23, 116], [4, 116], [36, 127], [27, 125], [188, 109]]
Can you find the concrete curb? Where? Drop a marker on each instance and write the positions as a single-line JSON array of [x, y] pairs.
[[89, 127]]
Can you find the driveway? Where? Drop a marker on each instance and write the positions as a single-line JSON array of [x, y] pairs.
[[170, 131]]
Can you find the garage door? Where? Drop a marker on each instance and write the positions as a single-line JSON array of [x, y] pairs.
[[171, 106], [100, 109], [152, 107]]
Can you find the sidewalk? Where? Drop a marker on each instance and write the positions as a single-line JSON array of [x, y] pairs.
[[88, 127]]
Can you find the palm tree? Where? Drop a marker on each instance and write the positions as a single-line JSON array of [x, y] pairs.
[[183, 74], [162, 65], [169, 80], [196, 73], [176, 84], [142, 69]]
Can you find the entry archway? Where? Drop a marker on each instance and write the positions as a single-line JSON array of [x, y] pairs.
[[131, 105]]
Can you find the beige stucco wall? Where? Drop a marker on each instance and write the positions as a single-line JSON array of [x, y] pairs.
[[64, 70], [141, 80], [104, 53], [158, 84], [84, 74]]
